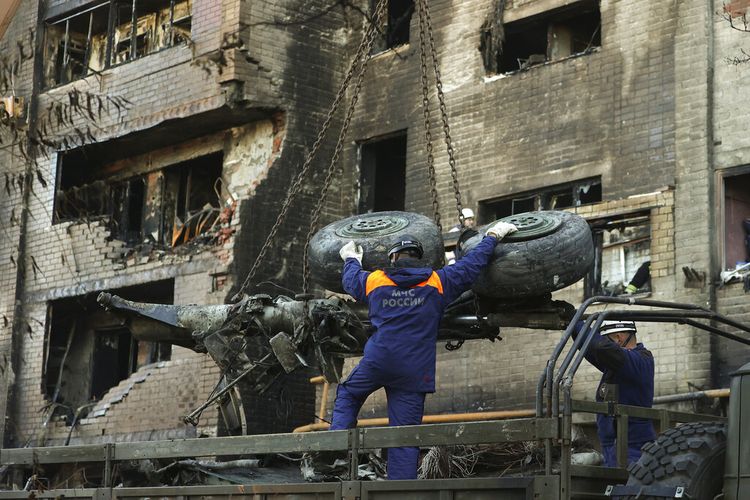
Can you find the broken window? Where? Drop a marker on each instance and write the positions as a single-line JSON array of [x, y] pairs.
[[736, 220], [167, 207], [622, 255], [110, 33], [396, 30], [553, 198], [88, 351], [571, 30], [383, 174]]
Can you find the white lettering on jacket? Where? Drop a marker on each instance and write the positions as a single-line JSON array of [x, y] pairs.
[[403, 302], [403, 298]]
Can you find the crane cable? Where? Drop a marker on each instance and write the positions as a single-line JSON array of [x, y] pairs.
[[427, 41], [359, 65], [359, 62]]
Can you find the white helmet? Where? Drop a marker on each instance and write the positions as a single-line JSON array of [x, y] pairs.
[[616, 327], [467, 213]]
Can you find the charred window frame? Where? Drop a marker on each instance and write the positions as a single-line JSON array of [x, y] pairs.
[[168, 206], [566, 195], [397, 26], [382, 181], [622, 255], [88, 351], [572, 30], [735, 213], [111, 33]]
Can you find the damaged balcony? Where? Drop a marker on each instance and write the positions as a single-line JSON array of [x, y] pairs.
[[166, 207], [106, 34]]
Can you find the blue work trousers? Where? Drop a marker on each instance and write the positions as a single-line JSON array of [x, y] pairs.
[[404, 408], [610, 454]]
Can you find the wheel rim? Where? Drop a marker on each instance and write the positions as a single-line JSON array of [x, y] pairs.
[[531, 225], [373, 225]]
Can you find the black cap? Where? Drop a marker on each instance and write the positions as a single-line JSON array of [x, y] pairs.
[[406, 242]]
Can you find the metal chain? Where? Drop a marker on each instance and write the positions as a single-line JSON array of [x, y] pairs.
[[369, 40], [426, 112], [296, 186], [443, 110]]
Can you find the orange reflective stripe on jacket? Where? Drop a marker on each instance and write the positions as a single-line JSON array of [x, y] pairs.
[[376, 279]]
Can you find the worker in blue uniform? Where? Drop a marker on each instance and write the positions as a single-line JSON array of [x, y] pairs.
[[406, 303], [627, 364]]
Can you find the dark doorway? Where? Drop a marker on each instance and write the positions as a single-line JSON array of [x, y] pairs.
[[383, 174], [88, 350], [737, 220]]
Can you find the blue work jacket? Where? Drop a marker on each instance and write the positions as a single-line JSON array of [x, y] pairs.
[[405, 307], [633, 371]]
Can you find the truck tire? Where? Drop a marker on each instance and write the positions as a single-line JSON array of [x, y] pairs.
[[691, 455], [551, 250], [376, 232]]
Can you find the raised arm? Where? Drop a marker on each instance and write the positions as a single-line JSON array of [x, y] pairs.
[[353, 277], [457, 278]]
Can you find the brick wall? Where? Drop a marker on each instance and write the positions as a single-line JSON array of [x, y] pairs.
[[731, 151], [262, 150], [10, 200], [640, 112]]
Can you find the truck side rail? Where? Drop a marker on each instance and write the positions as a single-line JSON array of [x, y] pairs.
[[522, 429], [353, 441], [551, 383]]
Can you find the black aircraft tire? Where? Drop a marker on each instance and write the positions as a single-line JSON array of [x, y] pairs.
[[691, 455], [376, 232], [551, 250]]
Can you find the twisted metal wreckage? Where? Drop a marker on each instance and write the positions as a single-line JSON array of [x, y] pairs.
[[259, 338]]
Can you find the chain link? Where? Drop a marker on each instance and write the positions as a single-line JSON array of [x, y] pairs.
[[360, 61], [369, 40], [425, 12], [426, 113], [294, 189]]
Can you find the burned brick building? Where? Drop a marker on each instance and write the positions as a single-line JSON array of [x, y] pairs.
[[165, 133]]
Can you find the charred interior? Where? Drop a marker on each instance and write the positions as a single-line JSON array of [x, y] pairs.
[[556, 34], [558, 197], [168, 207], [111, 33]]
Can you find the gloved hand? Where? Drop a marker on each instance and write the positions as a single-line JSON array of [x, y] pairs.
[[351, 250], [501, 229]]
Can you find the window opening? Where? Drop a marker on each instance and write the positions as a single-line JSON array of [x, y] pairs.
[[551, 36], [736, 220], [396, 29], [88, 351], [84, 43], [169, 206], [191, 198], [383, 174], [553, 198], [622, 255]]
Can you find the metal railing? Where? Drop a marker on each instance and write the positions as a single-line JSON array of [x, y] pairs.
[[552, 383], [353, 441]]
